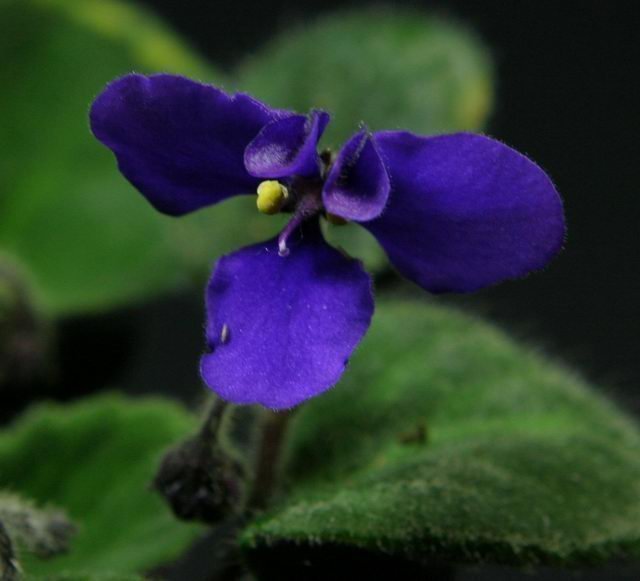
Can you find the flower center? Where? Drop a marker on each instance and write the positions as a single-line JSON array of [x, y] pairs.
[[305, 203], [302, 198]]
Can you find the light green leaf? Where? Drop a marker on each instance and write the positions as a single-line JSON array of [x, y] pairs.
[[88, 238], [96, 459], [446, 439], [389, 68]]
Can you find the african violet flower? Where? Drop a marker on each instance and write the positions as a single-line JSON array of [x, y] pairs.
[[453, 213]]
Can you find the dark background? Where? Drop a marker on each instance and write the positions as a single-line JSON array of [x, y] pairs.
[[566, 96]]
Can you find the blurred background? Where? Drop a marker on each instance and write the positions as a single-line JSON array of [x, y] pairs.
[[94, 289]]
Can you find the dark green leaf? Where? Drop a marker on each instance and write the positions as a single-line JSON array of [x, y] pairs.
[[446, 439], [96, 459]]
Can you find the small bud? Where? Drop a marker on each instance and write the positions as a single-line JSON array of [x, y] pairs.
[[335, 220], [200, 481], [271, 197]]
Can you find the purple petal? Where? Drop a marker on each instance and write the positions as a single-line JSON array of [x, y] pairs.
[[465, 211], [357, 186], [287, 147], [181, 143], [281, 329]]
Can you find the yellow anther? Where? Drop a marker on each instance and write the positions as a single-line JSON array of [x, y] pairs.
[[271, 197], [335, 220]]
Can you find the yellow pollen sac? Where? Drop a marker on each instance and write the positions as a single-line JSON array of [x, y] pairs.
[[335, 220], [271, 197]]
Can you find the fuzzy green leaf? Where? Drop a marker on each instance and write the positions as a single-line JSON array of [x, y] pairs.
[[387, 68], [96, 460], [446, 439]]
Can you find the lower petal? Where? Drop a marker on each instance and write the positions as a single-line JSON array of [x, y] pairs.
[[465, 211], [280, 330]]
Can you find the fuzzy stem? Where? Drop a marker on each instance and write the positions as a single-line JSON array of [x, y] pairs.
[[211, 425], [268, 460]]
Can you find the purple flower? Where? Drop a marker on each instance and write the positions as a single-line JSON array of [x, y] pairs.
[[453, 213]]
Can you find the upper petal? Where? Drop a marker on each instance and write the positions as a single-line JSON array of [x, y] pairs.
[[180, 142], [287, 147], [465, 211], [281, 329], [357, 186]]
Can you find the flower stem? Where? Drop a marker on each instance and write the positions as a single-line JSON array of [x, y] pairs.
[[213, 420], [268, 461]]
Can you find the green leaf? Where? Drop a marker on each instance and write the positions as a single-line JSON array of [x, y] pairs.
[[389, 68], [445, 438], [88, 238], [96, 459]]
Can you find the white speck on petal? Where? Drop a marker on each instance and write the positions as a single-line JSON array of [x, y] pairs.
[[225, 334]]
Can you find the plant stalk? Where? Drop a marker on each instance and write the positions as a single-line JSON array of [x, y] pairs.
[[269, 458]]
